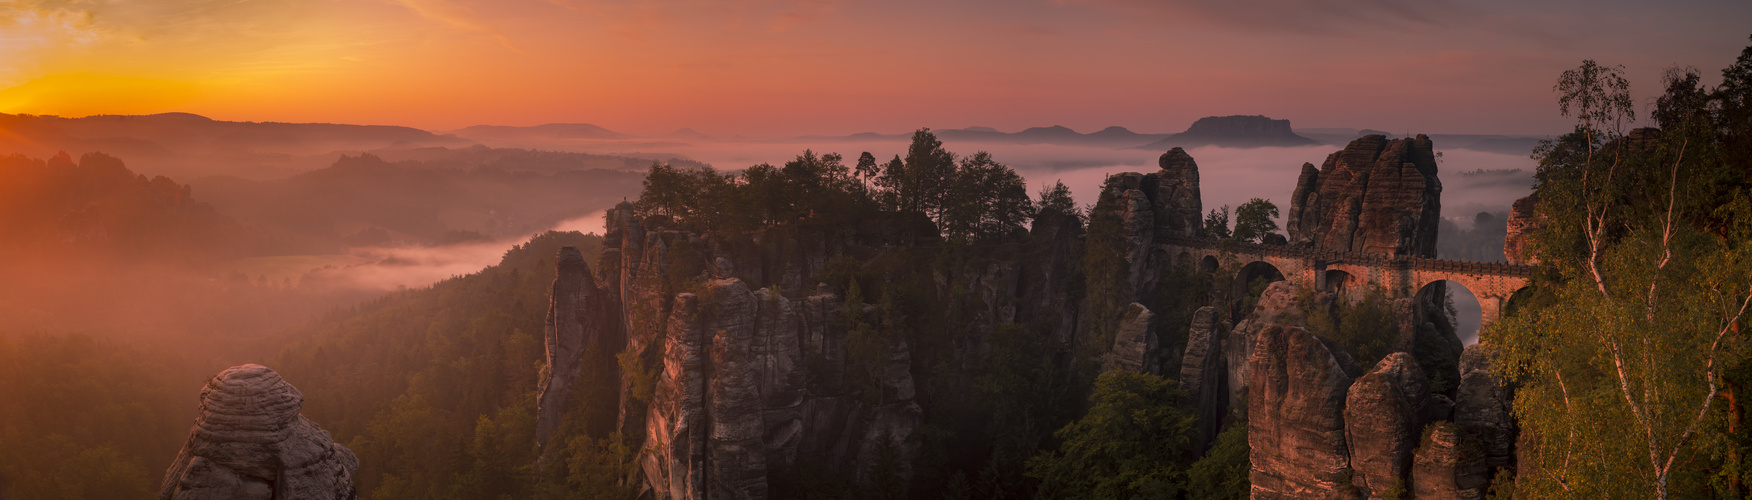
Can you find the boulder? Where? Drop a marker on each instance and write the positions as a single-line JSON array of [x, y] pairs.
[[250, 442], [1295, 418], [1375, 196], [1383, 423]]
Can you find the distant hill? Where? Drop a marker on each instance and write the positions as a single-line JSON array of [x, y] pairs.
[[538, 132], [524, 160], [187, 145], [1236, 131], [367, 200], [97, 208]]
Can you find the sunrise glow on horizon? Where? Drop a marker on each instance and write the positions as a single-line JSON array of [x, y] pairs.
[[756, 67]]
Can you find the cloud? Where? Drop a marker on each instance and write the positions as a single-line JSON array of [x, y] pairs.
[[457, 16]]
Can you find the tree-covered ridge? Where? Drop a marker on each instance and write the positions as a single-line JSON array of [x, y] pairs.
[[823, 190], [1631, 353]]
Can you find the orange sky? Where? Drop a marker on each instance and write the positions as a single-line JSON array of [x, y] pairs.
[[769, 67]]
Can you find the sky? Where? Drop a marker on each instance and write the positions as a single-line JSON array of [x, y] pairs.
[[760, 68]]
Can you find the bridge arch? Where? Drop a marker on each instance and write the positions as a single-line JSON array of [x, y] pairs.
[[1245, 279], [1468, 315], [1208, 264], [1338, 282]]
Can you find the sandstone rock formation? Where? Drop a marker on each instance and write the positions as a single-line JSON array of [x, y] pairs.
[[1295, 416], [1483, 408], [1524, 221], [578, 320], [734, 405], [249, 442], [1382, 423], [1438, 470], [1242, 131], [1179, 209], [1135, 344], [1277, 306], [1376, 196], [1203, 374]]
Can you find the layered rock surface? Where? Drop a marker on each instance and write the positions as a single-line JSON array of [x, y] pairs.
[[1383, 422], [1296, 418], [249, 442], [1203, 373], [1524, 221], [1376, 196]]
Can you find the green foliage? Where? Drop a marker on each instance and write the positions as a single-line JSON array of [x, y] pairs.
[[434, 388], [1646, 264], [1216, 223], [1132, 443], [821, 190], [1222, 473], [1364, 328], [1253, 220], [1000, 208], [602, 469], [91, 419], [1057, 199]]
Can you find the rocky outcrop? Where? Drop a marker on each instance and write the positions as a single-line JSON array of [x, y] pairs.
[[250, 442], [578, 321], [1179, 208], [1524, 221], [1376, 196], [1383, 423], [1295, 417], [735, 404], [1276, 306], [1438, 472], [1483, 408], [1203, 375], [1134, 345], [1236, 131]]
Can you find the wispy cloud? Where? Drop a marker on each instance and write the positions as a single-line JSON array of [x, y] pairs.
[[457, 16]]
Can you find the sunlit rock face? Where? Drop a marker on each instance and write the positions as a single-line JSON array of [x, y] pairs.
[[1376, 196], [1296, 418], [249, 442], [1524, 221], [1382, 422]]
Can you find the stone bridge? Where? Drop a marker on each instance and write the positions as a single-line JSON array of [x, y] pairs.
[[1349, 274]]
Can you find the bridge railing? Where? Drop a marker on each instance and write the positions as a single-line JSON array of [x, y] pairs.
[[1358, 258]]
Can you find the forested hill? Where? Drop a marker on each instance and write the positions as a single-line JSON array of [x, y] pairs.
[[433, 388]]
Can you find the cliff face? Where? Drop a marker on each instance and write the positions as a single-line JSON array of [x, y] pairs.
[[1524, 220], [249, 442], [1315, 431], [1377, 196], [743, 374]]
